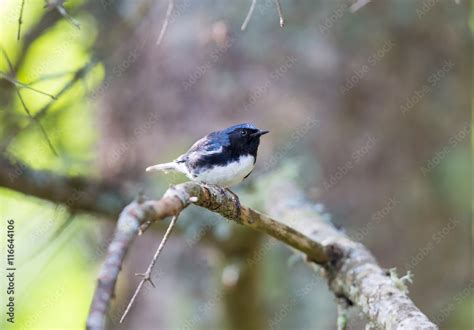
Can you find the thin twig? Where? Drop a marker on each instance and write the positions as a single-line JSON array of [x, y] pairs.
[[166, 22], [358, 5], [33, 118], [28, 112], [23, 85], [59, 6], [50, 76], [249, 15], [10, 65], [280, 13], [146, 275], [68, 17], [53, 238], [20, 20], [15, 82], [79, 74]]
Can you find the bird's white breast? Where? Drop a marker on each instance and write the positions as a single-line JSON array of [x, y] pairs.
[[229, 174]]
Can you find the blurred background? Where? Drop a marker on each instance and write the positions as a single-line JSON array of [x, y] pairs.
[[369, 109]]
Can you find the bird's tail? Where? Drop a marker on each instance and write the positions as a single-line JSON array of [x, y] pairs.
[[171, 166]]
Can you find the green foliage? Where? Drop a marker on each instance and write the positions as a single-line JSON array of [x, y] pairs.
[[53, 273], [54, 278]]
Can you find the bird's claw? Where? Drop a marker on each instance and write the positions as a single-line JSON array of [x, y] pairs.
[[236, 200]]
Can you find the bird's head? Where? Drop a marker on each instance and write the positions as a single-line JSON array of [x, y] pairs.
[[244, 137]]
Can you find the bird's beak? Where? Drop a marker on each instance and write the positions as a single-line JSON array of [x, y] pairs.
[[259, 133]]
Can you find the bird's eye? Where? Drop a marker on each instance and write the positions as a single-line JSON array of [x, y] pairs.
[[243, 133]]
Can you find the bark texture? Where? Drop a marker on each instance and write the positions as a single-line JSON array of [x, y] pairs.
[[352, 273]]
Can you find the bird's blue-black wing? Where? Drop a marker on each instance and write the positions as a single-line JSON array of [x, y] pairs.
[[210, 144]]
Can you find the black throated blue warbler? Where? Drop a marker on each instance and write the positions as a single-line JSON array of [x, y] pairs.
[[223, 158]]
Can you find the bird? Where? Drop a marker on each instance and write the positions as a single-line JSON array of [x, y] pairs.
[[223, 158]]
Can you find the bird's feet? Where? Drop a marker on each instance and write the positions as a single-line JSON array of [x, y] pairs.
[[235, 197], [236, 200]]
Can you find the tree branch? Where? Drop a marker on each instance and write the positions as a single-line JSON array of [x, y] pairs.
[[77, 193], [351, 270]]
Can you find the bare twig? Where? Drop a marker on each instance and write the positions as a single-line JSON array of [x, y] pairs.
[[45, 22], [51, 76], [249, 15], [34, 119], [20, 19], [280, 13], [147, 274], [15, 82], [68, 17], [51, 239], [252, 8], [164, 27], [358, 5], [59, 6], [25, 107], [79, 74], [22, 85], [351, 270], [7, 59]]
